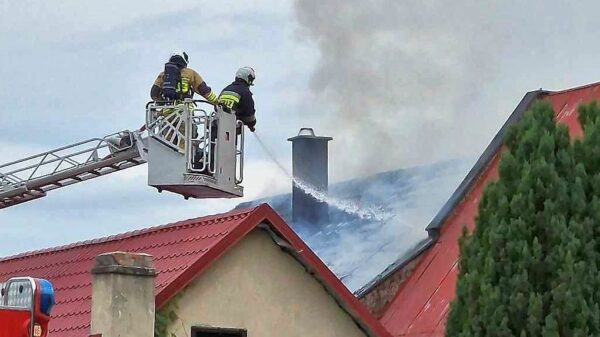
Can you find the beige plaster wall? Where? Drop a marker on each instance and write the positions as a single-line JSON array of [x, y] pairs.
[[259, 287]]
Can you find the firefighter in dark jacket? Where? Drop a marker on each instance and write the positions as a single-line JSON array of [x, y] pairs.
[[190, 82], [237, 97]]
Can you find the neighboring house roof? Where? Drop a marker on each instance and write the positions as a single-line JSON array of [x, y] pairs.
[[456, 197], [421, 305], [181, 252]]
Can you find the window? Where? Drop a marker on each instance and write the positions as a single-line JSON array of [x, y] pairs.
[[198, 331]]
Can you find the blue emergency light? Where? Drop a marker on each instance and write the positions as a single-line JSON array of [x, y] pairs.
[[47, 300]]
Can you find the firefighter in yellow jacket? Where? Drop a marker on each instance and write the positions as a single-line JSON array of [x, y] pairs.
[[176, 83]]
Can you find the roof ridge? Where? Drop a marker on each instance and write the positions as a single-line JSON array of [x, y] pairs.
[[584, 86], [130, 234]]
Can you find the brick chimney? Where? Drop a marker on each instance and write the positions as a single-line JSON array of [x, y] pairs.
[[310, 167], [123, 295]]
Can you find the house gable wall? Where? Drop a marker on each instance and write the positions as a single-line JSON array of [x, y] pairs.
[[259, 287]]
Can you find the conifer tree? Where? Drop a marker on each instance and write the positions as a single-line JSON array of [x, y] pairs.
[[530, 268]]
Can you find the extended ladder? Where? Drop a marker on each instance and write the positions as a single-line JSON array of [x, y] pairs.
[[32, 177]]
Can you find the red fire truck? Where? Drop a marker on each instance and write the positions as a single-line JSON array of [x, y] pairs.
[[25, 305]]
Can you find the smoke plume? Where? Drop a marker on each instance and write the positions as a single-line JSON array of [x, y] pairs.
[[401, 82]]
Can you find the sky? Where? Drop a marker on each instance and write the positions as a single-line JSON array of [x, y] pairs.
[[396, 84]]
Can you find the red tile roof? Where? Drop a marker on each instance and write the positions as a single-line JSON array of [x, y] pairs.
[[181, 252], [421, 304]]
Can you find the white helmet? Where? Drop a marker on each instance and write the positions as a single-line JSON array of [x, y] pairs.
[[247, 74], [182, 54]]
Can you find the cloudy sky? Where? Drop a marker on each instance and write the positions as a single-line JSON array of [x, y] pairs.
[[396, 84]]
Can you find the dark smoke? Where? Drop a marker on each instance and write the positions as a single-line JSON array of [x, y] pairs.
[[396, 75]]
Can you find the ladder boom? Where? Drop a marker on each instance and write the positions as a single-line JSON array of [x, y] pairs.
[[32, 177]]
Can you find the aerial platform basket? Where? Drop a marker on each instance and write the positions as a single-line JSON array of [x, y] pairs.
[[194, 152]]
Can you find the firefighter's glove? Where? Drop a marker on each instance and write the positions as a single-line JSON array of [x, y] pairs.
[[251, 125]]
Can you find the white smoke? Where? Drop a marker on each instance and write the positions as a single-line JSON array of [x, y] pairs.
[[396, 75], [361, 249], [406, 83]]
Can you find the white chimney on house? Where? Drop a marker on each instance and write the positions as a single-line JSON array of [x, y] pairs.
[[123, 295]]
